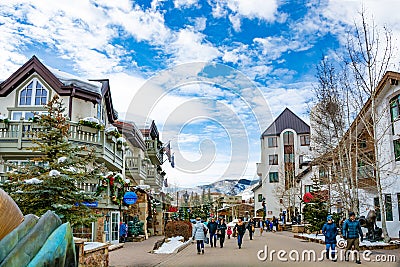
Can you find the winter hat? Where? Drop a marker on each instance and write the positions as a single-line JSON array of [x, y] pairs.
[[329, 218], [351, 213]]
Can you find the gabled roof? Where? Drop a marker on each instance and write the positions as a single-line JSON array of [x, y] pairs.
[[287, 120], [63, 83]]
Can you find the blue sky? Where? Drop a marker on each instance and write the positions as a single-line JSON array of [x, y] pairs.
[[217, 72]]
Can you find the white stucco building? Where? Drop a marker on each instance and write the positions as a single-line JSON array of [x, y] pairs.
[[285, 154]]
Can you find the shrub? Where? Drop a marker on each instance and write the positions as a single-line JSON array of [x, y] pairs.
[[179, 228]]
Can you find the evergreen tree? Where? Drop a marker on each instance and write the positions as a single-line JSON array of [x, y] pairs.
[[316, 210], [135, 227], [49, 181]]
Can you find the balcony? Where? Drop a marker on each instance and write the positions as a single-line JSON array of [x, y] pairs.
[[136, 168], [154, 179], [260, 168], [16, 139], [154, 151]]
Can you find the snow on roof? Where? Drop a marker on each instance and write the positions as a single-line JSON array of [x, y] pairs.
[[68, 79]]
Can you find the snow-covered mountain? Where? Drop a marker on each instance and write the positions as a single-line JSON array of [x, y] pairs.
[[230, 187]]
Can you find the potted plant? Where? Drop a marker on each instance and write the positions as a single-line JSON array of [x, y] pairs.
[[4, 122], [112, 133], [90, 125]]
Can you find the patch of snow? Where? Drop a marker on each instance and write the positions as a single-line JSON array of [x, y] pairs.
[[92, 245], [121, 140], [127, 181], [33, 181], [91, 119], [2, 117], [171, 245], [110, 129], [62, 159], [54, 173]]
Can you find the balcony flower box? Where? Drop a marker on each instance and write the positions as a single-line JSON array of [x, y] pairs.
[[90, 125], [87, 129], [112, 133]]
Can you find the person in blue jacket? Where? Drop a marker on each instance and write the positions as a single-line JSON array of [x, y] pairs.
[[352, 232], [330, 232]]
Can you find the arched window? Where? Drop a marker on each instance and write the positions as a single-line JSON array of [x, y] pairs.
[[34, 94], [25, 97], [40, 95]]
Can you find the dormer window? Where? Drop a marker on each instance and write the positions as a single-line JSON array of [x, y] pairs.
[[34, 94]]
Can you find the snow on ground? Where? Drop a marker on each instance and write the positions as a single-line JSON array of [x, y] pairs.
[[171, 244], [338, 238], [92, 245]]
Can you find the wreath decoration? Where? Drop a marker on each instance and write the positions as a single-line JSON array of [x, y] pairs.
[[116, 183]]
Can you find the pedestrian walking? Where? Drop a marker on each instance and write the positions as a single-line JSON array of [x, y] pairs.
[[240, 229], [352, 232], [229, 232], [221, 229], [212, 226], [274, 224], [123, 231], [261, 225], [329, 230], [251, 228], [199, 234]]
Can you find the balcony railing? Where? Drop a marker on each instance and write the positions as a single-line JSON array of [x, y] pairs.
[[136, 167], [154, 178], [16, 138], [154, 151]]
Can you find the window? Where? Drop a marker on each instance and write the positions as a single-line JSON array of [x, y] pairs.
[[99, 112], [25, 96], [362, 144], [34, 90], [308, 188], [305, 140], [301, 159], [17, 115], [273, 177], [388, 205], [377, 209], [273, 159], [260, 198], [288, 138], [396, 145], [289, 158], [394, 108], [40, 95], [272, 142]]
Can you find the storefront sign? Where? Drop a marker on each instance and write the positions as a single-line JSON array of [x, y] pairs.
[[130, 198]]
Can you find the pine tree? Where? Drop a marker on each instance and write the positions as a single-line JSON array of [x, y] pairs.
[[315, 211], [49, 181], [135, 227]]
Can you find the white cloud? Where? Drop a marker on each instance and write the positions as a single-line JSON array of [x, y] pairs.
[[185, 3], [191, 46]]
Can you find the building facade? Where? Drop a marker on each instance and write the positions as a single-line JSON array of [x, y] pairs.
[[285, 154]]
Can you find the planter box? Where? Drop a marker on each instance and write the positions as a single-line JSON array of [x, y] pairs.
[[3, 125], [87, 129]]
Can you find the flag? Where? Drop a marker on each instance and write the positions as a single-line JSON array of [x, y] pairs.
[[167, 151], [173, 161], [165, 182]]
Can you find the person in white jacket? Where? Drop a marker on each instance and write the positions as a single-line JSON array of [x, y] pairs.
[[199, 234]]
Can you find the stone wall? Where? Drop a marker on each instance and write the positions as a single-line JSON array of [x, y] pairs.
[[96, 257]]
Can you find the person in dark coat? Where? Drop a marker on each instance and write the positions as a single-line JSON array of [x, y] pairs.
[[212, 226], [240, 229], [198, 234], [221, 228], [250, 227], [330, 232], [352, 232]]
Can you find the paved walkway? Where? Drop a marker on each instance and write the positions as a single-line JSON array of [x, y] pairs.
[[135, 254]]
